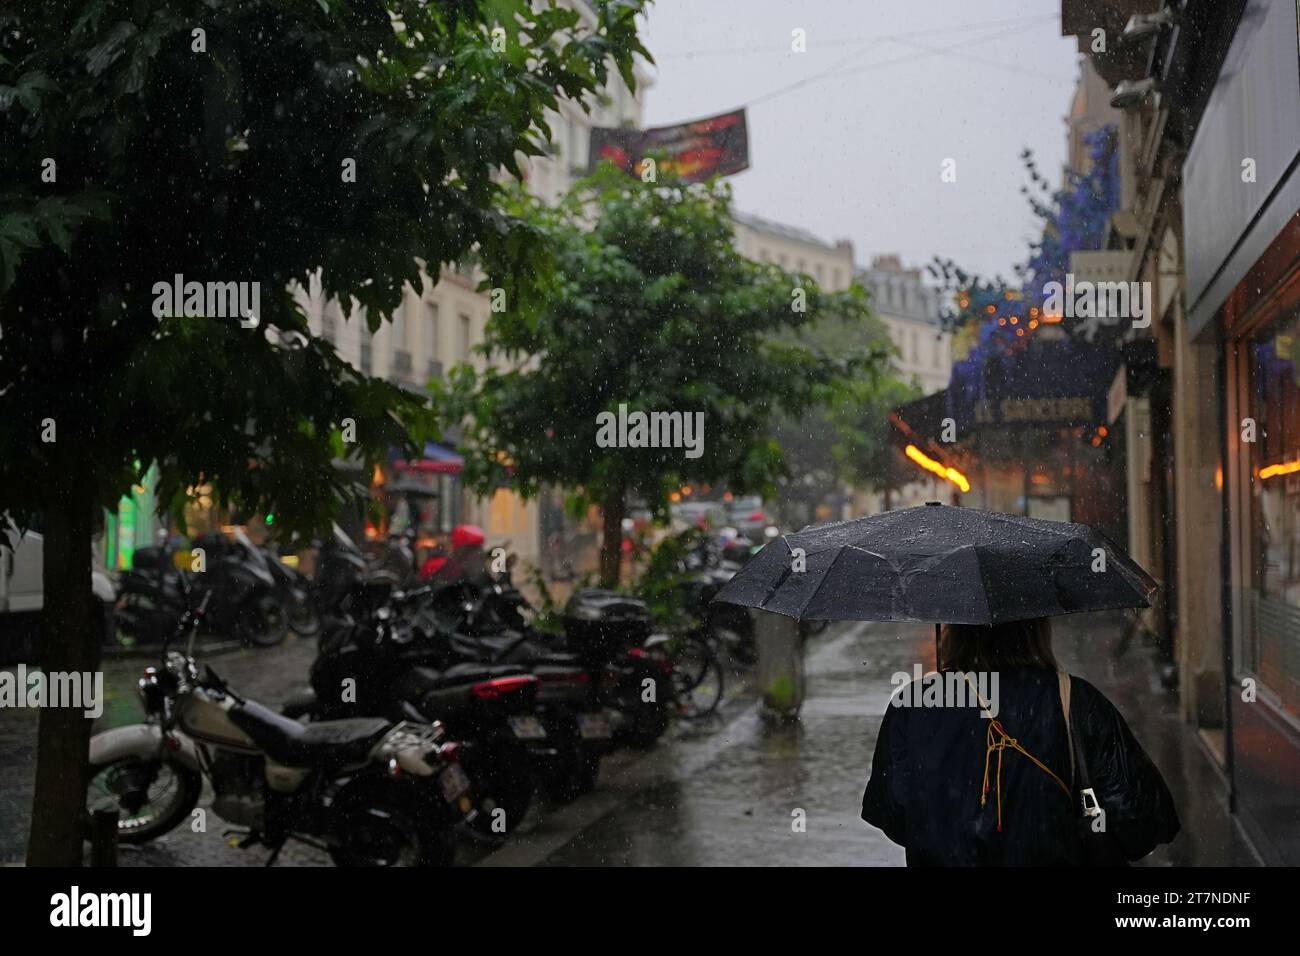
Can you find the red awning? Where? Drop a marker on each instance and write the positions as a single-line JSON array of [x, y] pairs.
[[437, 459]]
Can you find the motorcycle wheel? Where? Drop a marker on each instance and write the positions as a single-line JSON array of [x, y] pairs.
[[303, 619], [502, 781], [383, 835], [151, 798], [263, 620], [647, 724]]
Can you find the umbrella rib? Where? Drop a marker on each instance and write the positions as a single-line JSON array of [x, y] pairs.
[[984, 587], [820, 584]]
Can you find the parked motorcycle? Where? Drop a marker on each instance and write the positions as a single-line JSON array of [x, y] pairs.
[[373, 662], [457, 625], [368, 791], [294, 590], [606, 635], [245, 599], [340, 568]]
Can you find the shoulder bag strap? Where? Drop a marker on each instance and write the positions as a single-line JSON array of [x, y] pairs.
[[1063, 682]]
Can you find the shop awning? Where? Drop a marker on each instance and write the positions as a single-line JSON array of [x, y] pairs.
[[437, 459]]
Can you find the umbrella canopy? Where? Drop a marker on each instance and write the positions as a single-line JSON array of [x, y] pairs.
[[937, 564]]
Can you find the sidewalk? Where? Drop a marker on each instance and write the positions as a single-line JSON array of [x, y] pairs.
[[1209, 837], [730, 798]]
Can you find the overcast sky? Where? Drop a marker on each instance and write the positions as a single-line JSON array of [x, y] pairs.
[[859, 153]]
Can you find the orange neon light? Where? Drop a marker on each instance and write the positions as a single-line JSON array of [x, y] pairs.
[[1285, 468], [929, 464]]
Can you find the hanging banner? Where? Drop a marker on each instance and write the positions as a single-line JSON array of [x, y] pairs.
[[716, 146]]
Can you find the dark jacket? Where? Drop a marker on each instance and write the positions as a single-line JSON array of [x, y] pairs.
[[928, 772]]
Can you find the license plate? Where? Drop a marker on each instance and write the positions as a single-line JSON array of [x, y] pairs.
[[594, 726], [527, 728], [453, 782]]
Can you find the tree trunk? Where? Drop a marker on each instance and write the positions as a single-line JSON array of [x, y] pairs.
[[611, 543], [69, 643]]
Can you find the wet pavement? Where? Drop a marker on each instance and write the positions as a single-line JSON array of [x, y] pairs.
[[732, 790], [733, 797]]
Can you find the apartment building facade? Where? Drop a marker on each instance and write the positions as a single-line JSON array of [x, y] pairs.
[[440, 324]]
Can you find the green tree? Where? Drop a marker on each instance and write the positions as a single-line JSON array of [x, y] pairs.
[[238, 142], [656, 310], [843, 441]]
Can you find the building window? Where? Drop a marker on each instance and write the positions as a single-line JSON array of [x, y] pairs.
[[464, 336], [1273, 549], [399, 328], [835, 278], [430, 331], [571, 146]]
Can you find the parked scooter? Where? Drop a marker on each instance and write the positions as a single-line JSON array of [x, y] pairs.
[[340, 568], [369, 792], [294, 590], [245, 599]]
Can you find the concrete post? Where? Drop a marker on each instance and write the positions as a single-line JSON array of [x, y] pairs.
[[780, 670]]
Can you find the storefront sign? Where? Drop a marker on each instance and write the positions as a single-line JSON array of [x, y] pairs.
[[1052, 384], [1039, 411]]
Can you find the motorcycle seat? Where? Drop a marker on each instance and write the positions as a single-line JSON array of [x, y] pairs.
[[466, 672], [328, 743], [494, 647]]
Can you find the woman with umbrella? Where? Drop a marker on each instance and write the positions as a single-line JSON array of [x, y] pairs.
[[1046, 774]]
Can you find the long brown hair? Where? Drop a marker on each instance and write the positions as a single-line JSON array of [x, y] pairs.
[[1016, 644]]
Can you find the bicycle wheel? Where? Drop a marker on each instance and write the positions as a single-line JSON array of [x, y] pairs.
[[697, 678]]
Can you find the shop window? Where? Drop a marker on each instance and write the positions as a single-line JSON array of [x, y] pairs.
[[1271, 648]]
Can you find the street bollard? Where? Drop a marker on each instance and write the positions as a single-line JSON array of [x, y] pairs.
[[103, 838], [780, 670]]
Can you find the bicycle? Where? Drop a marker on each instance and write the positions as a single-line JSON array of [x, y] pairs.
[[697, 676]]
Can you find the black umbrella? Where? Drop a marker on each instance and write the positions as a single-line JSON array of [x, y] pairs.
[[940, 564]]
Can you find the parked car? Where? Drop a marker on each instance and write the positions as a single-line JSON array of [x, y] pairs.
[[747, 515], [22, 594]]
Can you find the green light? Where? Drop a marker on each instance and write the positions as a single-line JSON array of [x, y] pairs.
[[270, 519]]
